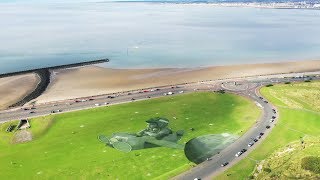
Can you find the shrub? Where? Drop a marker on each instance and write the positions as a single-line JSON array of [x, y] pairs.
[[311, 163], [287, 82], [269, 85], [268, 170]]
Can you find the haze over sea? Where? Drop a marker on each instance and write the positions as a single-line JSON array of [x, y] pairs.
[[151, 35]]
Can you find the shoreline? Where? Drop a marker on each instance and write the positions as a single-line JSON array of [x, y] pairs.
[[95, 80], [90, 81], [15, 88]]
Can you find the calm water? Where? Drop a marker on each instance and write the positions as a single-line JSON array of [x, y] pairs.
[[135, 35]]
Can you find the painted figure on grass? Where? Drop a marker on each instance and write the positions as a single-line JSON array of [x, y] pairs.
[[157, 134]]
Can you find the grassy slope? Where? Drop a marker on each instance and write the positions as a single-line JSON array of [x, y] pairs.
[[285, 163], [299, 116], [69, 149]]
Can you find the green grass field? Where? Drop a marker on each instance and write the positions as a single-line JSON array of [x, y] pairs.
[[298, 106], [65, 146]]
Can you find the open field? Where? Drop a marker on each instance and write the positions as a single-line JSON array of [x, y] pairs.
[[298, 105], [65, 146]]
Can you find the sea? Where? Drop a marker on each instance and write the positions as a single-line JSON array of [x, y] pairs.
[[153, 35]]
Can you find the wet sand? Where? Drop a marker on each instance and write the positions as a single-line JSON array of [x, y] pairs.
[[93, 80], [15, 88]]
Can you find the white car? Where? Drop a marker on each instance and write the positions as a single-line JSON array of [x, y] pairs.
[[238, 154], [170, 93], [181, 92], [97, 104]]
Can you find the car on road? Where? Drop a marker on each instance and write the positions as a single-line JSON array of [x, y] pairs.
[[261, 97], [261, 134], [224, 164], [238, 154], [129, 93], [243, 150], [255, 140], [32, 112], [197, 179], [97, 104], [268, 127], [106, 103], [250, 144], [181, 92], [273, 117], [266, 102], [170, 93], [148, 97], [271, 120], [132, 99], [56, 111]]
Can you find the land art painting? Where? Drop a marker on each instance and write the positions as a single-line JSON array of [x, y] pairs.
[[158, 134]]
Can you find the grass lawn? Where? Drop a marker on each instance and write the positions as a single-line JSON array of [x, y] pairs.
[[65, 146], [298, 106]]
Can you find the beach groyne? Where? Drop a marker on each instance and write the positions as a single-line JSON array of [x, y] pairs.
[[55, 67], [44, 75]]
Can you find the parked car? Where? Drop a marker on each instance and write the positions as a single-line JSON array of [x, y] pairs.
[[243, 150], [224, 164], [238, 154], [268, 127], [250, 144]]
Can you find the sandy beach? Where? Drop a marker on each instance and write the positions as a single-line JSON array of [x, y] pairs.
[[13, 89], [93, 80]]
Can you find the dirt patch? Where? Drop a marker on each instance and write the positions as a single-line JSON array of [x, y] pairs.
[[22, 136]]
